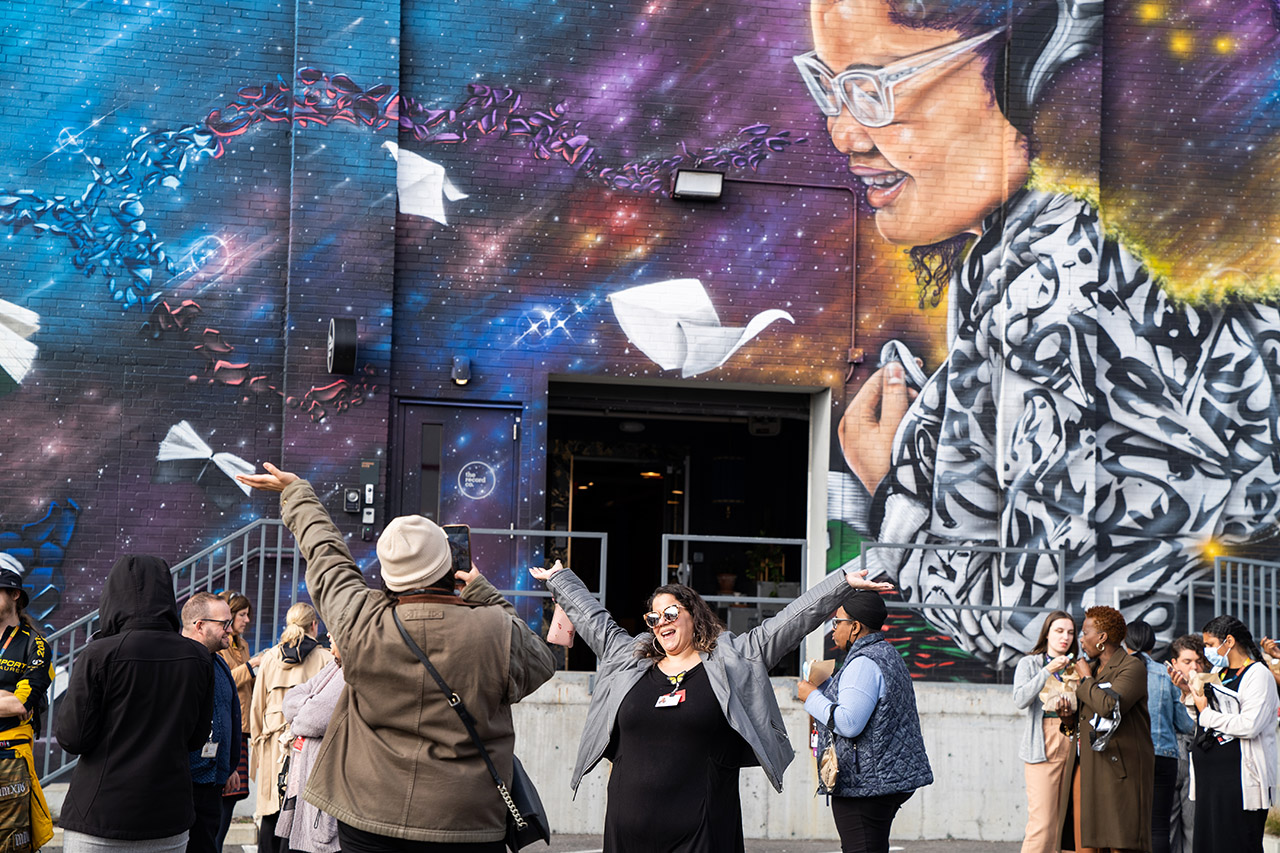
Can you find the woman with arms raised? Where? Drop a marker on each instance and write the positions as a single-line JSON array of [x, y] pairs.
[[679, 709]]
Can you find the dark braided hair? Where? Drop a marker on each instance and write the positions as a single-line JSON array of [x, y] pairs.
[[1229, 626]]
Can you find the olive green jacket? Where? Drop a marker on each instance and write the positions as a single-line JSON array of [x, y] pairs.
[[396, 760]]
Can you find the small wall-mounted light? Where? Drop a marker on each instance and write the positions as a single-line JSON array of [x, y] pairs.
[[690, 183], [461, 372]]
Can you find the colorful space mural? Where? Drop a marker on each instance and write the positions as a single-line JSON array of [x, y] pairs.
[[1042, 287]]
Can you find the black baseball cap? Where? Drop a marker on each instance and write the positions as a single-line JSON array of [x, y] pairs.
[[9, 579]]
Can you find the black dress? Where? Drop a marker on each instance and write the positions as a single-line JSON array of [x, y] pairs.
[[674, 785], [1221, 821]]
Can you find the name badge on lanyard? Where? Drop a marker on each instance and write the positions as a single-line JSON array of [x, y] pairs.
[[670, 700]]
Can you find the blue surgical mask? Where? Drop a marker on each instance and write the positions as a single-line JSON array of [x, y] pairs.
[[1215, 657]]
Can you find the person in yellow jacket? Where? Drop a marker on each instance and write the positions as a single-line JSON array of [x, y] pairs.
[[25, 675]]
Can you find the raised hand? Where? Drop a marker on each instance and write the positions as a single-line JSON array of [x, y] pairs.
[[858, 580], [274, 480], [870, 421], [539, 573]]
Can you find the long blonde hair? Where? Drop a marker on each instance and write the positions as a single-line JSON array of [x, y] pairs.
[[298, 622]]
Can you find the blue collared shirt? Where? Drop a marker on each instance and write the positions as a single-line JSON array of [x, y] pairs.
[[1164, 703], [860, 686]]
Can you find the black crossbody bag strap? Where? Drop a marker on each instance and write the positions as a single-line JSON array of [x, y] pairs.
[[455, 702]]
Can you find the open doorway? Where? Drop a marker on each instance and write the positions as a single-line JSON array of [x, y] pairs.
[[640, 461]]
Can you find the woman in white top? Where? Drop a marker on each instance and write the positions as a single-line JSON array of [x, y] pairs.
[[1045, 750], [1233, 752]]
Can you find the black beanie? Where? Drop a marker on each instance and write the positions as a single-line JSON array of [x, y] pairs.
[[868, 608]]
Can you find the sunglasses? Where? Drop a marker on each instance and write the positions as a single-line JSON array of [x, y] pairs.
[[653, 619]]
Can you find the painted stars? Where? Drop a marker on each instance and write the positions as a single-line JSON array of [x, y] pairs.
[[542, 324]]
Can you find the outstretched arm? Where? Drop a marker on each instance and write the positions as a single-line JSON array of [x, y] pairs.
[[589, 617], [781, 634], [333, 578]]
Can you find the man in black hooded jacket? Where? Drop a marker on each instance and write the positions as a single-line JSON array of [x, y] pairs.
[[140, 700]]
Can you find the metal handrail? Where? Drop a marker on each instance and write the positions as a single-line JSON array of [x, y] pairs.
[[205, 571], [1250, 591], [215, 567], [668, 538], [552, 534]]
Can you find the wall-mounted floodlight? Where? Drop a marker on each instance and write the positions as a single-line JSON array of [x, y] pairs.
[[690, 183], [461, 372]]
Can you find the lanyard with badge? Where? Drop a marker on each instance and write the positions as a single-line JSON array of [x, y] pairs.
[[676, 696]]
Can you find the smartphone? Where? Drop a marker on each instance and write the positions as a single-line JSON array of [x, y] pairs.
[[460, 545]]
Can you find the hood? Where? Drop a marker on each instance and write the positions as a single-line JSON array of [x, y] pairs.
[[294, 655], [138, 594]]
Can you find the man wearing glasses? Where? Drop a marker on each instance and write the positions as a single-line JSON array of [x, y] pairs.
[[206, 618]]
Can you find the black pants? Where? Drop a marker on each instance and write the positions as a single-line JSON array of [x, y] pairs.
[[203, 837], [1166, 787], [268, 841], [353, 840], [228, 812], [864, 822]]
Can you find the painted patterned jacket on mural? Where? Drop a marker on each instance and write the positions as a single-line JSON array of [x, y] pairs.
[[1079, 408]]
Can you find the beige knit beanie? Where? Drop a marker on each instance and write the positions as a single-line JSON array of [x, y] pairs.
[[414, 553]]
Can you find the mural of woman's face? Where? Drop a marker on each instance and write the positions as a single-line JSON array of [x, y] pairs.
[[949, 157]]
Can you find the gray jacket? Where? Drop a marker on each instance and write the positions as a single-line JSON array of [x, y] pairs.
[[1028, 680], [738, 669]]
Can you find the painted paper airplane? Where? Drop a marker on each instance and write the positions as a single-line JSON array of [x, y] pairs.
[[674, 323], [17, 354], [422, 184], [183, 444]]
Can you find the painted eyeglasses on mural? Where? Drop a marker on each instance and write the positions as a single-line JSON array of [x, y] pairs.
[[868, 92]]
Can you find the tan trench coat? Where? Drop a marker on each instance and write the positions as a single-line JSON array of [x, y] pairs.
[[1116, 784], [266, 752], [237, 657]]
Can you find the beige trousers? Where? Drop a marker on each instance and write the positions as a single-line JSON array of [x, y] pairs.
[[1044, 790]]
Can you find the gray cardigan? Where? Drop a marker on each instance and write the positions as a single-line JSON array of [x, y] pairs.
[[1028, 681], [738, 669]]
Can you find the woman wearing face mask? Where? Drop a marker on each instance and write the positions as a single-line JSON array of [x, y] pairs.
[[868, 711], [680, 708], [1233, 753], [1047, 753], [1110, 795]]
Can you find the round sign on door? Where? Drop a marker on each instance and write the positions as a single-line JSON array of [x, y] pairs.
[[476, 480]]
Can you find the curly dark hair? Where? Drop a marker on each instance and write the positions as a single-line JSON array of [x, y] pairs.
[[706, 627], [1109, 621]]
